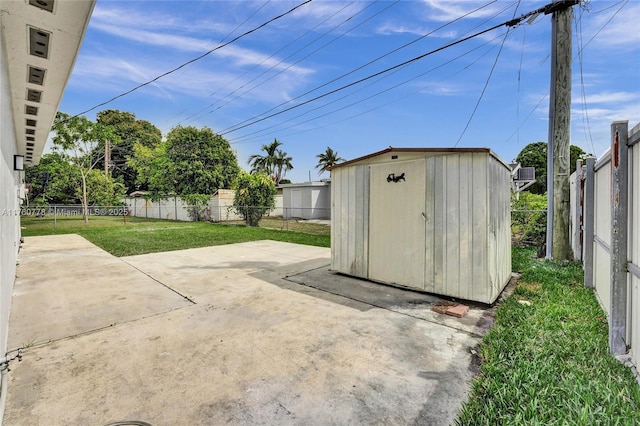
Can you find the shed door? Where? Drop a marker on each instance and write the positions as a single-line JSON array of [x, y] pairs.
[[396, 223]]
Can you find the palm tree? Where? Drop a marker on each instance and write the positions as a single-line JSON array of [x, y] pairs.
[[282, 164], [274, 163], [265, 163], [327, 159]]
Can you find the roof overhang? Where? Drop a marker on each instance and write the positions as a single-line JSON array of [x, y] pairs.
[[41, 40], [418, 152]]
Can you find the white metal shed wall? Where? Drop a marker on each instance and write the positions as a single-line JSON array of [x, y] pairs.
[[445, 229], [468, 246], [350, 220]]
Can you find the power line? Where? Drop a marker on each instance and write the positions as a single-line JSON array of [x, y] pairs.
[[370, 96], [358, 68], [316, 50], [415, 59], [271, 56], [194, 59], [486, 84], [234, 30], [583, 95]]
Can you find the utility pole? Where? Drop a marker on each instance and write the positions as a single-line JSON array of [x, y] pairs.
[[107, 157], [558, 146]]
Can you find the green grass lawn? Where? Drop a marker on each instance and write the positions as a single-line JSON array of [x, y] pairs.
[[139, 235], [545, 361]]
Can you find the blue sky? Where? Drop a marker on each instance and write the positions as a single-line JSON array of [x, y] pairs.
[[427, 103]]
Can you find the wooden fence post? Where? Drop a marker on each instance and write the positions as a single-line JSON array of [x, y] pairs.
[[619, 213], [589, 225]]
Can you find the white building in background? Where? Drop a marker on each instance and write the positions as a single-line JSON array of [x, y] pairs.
[[39, 44], [309, 200]]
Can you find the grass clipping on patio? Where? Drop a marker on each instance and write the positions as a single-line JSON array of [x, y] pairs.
[[546, 361]]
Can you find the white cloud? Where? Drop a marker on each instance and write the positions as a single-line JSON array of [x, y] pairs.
[[239, 55], [620, 32], [114, 75], [443, 11], [389, 28], [148, 18], [608, 97], [442, 89]]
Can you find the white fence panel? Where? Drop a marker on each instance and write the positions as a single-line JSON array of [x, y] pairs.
[[614, 218], [602, 232]]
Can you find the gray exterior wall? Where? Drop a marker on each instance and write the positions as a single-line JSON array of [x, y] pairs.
[[9, 206], [445, 229], [307, 201]]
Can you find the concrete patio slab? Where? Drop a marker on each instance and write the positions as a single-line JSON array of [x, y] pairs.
[[67, 286], [254, 348]]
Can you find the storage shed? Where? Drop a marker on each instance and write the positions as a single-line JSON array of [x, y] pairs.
[[309, 200], [432, 219]]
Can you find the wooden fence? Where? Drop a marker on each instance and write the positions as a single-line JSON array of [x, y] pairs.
[[606, 235]]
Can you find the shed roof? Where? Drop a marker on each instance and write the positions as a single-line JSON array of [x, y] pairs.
[[432, 151]]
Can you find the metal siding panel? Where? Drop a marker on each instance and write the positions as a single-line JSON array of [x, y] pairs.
[[339, 234], [430, 225], [439, 214], [466, 230], [349, 230], [362, 222], [335, 217], [635, 319], [452, 230], [396, 235], [480, 227], [500, 218], [634, 202]]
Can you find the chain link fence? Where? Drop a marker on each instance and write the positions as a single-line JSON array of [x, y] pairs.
[[528, 227], [313, 220]]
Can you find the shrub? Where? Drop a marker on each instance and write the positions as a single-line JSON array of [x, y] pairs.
[[529, 218], [255, 196]]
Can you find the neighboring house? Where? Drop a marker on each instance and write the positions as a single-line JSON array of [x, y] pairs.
[[39, 43], [309, 200], [432, 219]]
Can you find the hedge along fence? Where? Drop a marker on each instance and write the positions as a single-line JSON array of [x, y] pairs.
[[218, 209]]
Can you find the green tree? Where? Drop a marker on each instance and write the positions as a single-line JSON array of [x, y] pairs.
[[75, 141], [535, 155], [103, 190], [327, 159], [131, 131], [191, 162], [52, 181], [254, 196]]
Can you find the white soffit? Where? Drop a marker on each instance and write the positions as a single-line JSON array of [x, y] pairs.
[[41, 39]]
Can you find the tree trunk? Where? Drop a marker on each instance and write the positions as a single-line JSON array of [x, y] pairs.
[[85, 213]]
